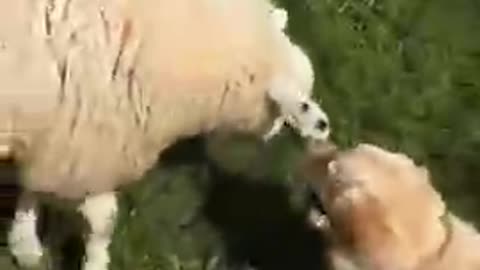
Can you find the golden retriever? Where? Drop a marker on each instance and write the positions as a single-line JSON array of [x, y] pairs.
[[382, 213]]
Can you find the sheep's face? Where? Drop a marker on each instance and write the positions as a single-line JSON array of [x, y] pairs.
[[303, 114], [308, 118], [293, 94]]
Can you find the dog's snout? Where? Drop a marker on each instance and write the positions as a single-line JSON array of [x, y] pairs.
[[318, 155], [323, 149]]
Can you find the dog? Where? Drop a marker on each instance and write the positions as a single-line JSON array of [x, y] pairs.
[[381, 212]]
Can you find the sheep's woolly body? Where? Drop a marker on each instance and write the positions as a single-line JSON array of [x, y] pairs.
[[92, 91]]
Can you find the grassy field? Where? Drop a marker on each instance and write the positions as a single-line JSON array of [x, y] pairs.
[[404, 74]]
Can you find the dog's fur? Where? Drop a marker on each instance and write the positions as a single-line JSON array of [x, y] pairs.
[[384, 214]]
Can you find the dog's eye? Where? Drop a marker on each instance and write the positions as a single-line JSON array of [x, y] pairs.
[[304, 107]]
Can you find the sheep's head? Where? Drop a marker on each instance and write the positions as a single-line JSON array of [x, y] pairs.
[[279, 17], [291, 89], [305, 116], [293, 96], [309, 120]]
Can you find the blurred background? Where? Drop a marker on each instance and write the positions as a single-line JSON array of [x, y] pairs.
[[404, 74]]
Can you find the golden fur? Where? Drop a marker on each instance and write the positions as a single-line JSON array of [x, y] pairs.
[[384, 214]]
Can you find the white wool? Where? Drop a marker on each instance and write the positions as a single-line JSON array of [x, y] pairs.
[[100, 211], [279, 17], [93, 91], [23, 240]]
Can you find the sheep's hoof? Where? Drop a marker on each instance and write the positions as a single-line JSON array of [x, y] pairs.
[[91, 265], [28, 253], [30, 261]]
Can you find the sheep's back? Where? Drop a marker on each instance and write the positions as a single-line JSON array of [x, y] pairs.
[[209, 62]]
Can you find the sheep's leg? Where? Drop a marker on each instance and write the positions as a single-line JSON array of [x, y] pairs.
[[100, 211], [23, 240]]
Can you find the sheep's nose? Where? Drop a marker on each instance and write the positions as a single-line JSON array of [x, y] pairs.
[[321, 125]]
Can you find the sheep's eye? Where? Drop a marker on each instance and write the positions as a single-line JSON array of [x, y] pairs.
[[304, 107]]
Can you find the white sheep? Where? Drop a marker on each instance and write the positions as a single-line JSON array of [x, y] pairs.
[[298, 109], [93, 91]]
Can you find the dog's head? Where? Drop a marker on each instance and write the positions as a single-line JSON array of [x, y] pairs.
[[381, 205]]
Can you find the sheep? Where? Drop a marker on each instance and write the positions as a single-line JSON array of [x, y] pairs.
[[132, 77], [298, 108]]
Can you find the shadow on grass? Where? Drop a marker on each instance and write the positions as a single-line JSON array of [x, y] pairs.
[[255, 218], [259, 225]]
